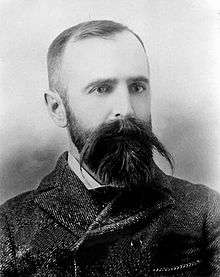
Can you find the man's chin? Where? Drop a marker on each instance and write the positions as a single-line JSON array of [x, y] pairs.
[[123, 166], [125, 181]]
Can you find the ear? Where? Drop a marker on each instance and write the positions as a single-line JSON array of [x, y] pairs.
[[56, 108]]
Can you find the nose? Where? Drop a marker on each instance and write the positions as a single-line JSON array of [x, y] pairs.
[[122, 104]]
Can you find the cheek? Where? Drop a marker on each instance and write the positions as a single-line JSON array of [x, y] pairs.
[[142, 107], [90, 114]]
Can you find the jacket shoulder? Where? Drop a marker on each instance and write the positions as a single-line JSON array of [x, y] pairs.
[[194, 196], [184, 186], [25, 199], [17, 212], [17, 202]]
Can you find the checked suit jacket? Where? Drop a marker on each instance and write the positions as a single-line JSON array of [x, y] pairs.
[[63, 229]]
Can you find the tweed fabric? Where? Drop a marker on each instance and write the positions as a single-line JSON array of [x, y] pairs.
[[63, 229]]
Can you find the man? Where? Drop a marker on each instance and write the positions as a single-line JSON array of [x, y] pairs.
[[107, 209]]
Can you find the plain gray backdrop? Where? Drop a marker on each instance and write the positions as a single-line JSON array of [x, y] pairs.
[[182, 39]]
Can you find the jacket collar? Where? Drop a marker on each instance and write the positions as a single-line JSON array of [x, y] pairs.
[[65, 198]]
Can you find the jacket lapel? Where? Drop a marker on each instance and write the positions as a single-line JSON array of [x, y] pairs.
[[64, 197], [68, 202]]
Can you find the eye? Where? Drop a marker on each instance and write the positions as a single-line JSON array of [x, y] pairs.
[[137, 88], [102, 89]]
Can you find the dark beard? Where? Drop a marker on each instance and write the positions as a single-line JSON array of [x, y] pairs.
[[119, 153]]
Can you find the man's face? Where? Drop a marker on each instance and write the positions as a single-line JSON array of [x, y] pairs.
[[108, 108], [106, 79]]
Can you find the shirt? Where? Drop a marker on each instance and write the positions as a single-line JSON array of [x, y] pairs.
[[84, 176]]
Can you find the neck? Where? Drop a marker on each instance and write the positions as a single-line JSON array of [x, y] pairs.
[[74, 151]]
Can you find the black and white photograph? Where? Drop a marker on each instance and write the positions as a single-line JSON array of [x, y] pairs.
[[110, 138]]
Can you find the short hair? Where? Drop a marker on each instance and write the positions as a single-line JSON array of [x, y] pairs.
[[95, 28]]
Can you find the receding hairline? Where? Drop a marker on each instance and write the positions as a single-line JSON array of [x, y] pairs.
[[104, 29]]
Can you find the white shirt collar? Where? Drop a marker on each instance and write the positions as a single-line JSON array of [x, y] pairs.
[[83, 175]]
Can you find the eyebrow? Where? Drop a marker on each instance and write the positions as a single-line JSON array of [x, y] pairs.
[[138, 79], [114, 81], [101, 81]]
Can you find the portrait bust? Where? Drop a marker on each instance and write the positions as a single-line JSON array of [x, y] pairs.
[[107, 209]]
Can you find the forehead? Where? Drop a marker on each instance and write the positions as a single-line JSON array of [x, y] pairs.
[[120, 56]]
